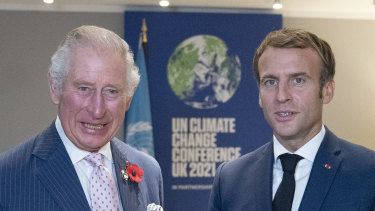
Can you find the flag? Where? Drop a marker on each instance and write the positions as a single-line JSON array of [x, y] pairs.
[[138, 123]]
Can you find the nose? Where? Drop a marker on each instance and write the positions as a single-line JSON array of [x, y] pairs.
[[96, 105], [283, 93]]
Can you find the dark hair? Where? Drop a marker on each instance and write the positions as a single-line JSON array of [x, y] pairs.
[[298, 38]]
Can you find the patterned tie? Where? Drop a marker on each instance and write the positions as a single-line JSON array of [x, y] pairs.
[[283, 200], [103, 191]]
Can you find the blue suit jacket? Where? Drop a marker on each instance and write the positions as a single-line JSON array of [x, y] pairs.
[[246, 183], [39, 175]]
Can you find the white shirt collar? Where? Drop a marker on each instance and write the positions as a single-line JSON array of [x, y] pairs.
[[76, 154], [308, 151]]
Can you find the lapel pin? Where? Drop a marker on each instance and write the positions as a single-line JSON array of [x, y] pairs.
[[327, 166], [125, 175]]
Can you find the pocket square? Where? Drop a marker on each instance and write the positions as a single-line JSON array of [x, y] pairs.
[[154, 207]]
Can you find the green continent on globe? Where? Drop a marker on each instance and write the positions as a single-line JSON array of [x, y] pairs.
[[180, 69], [201, 74]]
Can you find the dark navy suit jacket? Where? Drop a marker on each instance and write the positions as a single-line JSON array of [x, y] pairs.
[[39, 175], [348, 185]]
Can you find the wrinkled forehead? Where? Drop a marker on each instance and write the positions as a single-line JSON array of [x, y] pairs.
[[90, 57]]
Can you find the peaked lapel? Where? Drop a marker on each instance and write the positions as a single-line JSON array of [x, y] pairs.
[[54, 169], [129, 191], [322, 176], [263, 174]]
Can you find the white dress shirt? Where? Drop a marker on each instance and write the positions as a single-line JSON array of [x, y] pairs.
[[303, 169], [82, 167]]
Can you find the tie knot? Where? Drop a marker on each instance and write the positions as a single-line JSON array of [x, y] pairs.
[[289, 162], [95, 159]]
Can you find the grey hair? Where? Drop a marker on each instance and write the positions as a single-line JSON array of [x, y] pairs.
[[96, 37]]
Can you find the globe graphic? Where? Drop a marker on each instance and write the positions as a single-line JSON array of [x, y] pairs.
[[201, 74]]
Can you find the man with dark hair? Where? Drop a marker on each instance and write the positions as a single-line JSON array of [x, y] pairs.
[[77, 163], [305, 166]]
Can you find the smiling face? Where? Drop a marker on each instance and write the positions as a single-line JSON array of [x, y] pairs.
[[93, 101], [289, 94]]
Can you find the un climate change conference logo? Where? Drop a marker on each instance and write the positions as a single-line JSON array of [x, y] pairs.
[[201, 74]]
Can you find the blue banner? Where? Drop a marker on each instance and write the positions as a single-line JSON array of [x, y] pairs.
[[204, 100], [138, 123]]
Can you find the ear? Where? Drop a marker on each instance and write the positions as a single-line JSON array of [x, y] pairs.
[[128, 101], [260, 101], [53, 90], [328, 91]]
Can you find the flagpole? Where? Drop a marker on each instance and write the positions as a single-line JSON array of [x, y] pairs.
[[144, 39]]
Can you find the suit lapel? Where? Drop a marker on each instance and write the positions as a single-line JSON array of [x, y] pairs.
[[263, 173], [323, 172], [56, 172], [129, 191]]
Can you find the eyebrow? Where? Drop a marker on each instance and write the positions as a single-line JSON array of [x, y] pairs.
[[299, 74], [293, 75], [79, 82], [268, 76]]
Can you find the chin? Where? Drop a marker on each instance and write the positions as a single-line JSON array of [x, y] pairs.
[[285, 133]]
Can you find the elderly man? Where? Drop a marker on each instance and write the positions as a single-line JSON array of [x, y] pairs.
[[77, 163], [306, 166]]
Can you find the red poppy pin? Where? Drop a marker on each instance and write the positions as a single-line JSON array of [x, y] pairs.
[[133, 172], [327, 166]]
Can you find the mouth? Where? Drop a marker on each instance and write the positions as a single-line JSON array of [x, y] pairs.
[[285, 114], [93, 126]]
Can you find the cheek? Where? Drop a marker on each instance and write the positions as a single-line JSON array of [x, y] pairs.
[[265, 100], [71, 104], [117, 109], [310, 103]]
